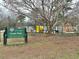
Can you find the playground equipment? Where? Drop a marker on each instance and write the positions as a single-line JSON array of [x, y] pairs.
[[39, 28]]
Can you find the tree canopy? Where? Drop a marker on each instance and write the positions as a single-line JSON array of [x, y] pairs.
[[49, 10]]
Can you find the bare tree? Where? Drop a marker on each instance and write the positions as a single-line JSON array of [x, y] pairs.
[[49, 10]]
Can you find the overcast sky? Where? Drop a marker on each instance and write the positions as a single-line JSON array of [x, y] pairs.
[[5, 11], [74, 1]]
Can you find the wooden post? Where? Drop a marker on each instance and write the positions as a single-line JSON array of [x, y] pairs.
[[5, 41], [26, 35], [26, 40], [5, 37], [0, 36]]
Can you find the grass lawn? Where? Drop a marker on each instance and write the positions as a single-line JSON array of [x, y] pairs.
[[40, 47]]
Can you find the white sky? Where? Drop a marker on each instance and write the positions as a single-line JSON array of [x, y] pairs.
[[1, 1], [5, 10], [74, 1]]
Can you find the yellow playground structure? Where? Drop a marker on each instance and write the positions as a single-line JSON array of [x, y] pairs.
[[39, 28]]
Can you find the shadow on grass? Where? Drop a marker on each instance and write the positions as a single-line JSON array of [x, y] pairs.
[[15, 44]]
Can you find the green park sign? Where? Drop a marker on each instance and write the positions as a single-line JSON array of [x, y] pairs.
[[15, 33]]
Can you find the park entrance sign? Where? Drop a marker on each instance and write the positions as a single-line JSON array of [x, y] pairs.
[[15, 33]]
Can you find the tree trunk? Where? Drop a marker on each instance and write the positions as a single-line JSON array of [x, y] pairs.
[[49, 29]]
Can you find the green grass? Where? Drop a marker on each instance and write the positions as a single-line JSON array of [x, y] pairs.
[[50, 55], [51, 50]]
